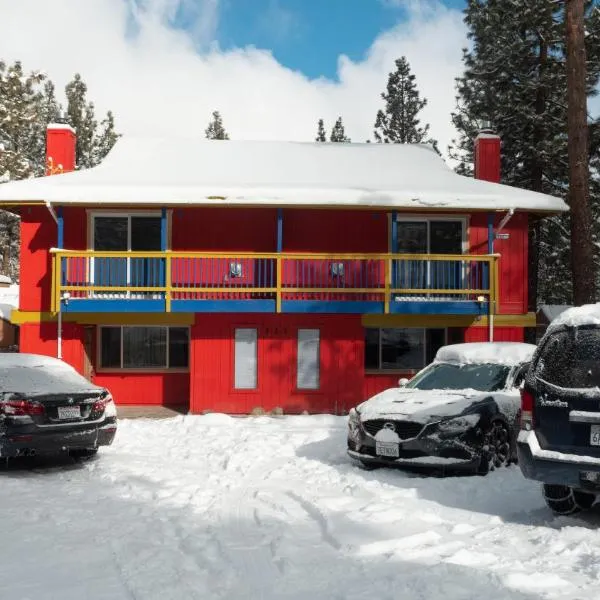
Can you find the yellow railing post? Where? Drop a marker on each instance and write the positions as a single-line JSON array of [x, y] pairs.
[[278, 293], [388, 286], [168, 283]]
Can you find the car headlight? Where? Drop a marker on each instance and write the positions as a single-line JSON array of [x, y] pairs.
[[458, 424]]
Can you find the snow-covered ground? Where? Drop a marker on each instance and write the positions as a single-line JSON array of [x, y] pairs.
[[271, 508]]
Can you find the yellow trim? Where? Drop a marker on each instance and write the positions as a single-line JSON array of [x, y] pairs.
[[22, 317], [523, 320]]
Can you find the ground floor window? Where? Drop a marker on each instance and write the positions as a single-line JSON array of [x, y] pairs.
[[308, 364], [245, 359], [128, 347], [401, 349]]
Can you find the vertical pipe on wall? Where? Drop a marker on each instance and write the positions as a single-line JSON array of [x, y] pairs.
[[279, 229], [492, 266]]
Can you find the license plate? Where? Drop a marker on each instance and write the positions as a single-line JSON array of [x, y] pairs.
[[69, 412], [390, 449], [595, 435]]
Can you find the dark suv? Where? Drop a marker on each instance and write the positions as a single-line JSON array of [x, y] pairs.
[[559, 439]]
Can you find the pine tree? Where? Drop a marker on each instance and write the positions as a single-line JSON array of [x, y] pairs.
[[515, 77], [398, 123], [338, 133], [215, 129], [321, 135], [106, 139]]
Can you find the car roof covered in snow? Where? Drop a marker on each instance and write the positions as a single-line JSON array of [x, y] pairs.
[[37, 375], [578, 316], [194, 171], [500, 353], [9, 300]]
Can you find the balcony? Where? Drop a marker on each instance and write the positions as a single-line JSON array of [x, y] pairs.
[[89, 281]]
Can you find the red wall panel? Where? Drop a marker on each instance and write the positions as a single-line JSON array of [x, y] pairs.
[[38, 235], [513, 258], [40, 338], [224, 229], [359, 231], [341, 349], [501, 334], [146, 388], [375, 383]]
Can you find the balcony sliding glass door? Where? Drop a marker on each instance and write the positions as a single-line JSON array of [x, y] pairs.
[[123, 233]]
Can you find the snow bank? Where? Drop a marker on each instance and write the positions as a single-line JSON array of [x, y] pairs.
[[205, 172], [188, 508], [588, 314], [497, 353]]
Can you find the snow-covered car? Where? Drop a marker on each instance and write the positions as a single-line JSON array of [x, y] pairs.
[[46, 407], [460, 412], [559, 441]]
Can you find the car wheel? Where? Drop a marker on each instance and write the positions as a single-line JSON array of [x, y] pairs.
[[83, 454], [564, 500], [496, 449]]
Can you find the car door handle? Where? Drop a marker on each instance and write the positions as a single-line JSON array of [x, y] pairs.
[[584, 416]]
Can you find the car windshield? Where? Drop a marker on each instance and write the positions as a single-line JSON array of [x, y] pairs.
[[446, 376], [571, 359]]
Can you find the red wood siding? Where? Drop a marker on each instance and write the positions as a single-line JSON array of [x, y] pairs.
[[224, 229], [75, 228], [513, 258], [38, 235], [40, 338], [146, 388], [212, 363], [375, 383], [359, 231], [501, 334]]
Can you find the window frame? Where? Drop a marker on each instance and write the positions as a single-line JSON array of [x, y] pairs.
[[245, 390], [318, 387], [381, 371], [102, 369], [420, 218]]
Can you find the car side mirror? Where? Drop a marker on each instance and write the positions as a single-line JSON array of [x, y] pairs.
[[402, 382]]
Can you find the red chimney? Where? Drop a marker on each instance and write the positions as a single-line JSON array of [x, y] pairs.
[[60, 149], [487, 156]]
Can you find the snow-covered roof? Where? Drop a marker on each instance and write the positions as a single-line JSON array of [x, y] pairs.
[[499, 353], [5, 279], [229, 173], [578, 316], [9, 300]]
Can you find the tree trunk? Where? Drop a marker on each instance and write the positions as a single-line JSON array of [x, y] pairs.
[[582, 249]]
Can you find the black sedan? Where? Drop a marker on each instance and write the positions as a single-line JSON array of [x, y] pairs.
[[460, 412], [46, 407]]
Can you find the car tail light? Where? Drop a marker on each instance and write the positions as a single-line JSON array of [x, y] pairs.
[[101, 404], [527, 404], [21, 408]]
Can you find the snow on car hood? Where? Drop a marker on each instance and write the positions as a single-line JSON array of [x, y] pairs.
[[418, 405]]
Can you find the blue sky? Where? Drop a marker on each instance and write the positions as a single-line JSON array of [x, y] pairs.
[[306, 35]]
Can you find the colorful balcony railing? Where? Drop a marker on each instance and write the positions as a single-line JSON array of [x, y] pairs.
[[196, 282]]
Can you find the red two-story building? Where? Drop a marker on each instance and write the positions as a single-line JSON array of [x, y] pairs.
[[232, 275]]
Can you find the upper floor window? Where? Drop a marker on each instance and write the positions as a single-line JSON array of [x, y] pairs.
[[430, 236], [120, 233]]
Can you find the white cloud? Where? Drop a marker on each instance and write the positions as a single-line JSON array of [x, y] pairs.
[[158, 80]]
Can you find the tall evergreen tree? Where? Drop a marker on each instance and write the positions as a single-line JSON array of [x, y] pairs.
[[215, 129], [515, 77], [321, 135], [28, 104], [338, 134], [398, 122]]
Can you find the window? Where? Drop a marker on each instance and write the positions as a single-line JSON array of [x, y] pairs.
[[406, 349], [245, 359], [144, 347], [427, 236], [128, 232], [307, 373]]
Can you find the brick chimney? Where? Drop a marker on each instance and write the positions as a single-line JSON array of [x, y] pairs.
[[487, 156], [60, 148]]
